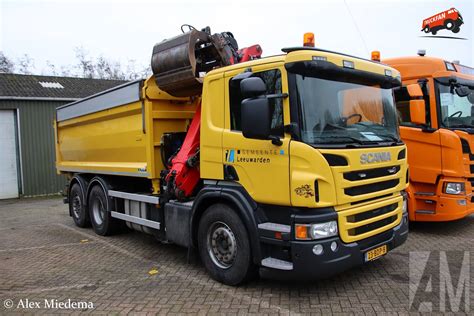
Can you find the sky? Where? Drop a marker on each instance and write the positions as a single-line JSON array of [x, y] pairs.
[[123, 30]]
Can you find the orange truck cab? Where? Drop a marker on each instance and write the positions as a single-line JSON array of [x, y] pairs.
[[436, 113]]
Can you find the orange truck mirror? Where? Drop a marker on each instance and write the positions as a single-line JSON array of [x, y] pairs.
[[417, 112], [414, 90]]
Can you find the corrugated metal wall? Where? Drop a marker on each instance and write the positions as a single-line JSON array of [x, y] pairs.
[[37, 146]]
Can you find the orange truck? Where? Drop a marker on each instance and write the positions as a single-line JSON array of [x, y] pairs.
[[436, 113]]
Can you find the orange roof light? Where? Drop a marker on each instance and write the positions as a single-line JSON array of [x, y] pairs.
[[375, 56], [308, 40]]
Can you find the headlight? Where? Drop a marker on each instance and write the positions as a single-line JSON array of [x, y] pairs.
[[316, 231], [454, 188]]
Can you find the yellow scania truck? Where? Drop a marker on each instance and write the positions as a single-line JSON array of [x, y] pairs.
[[291, 165]]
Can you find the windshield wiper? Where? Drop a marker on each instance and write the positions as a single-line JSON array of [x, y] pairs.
[[357, 140], [395, 139]]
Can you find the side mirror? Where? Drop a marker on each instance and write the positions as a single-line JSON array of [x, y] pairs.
[[256, 118], [414, 90], [470, 97], [417, 112], [462, 91], [252, 87]]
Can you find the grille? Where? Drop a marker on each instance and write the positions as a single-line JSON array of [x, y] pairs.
[[360, 222], [372, 213], [370, 188], [371, 174], [466, 149], [373, 226]]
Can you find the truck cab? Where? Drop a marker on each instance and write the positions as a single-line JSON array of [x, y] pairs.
[[440, 145]]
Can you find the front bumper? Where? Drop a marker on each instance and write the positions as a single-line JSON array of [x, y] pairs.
[[447, 208], [308, 266]]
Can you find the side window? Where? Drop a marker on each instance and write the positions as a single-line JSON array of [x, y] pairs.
[[272, 79], [402, 99]]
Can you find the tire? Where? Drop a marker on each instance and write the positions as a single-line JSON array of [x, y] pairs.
[[426, 29], [99, 212], [434, 32], [449, 24], [224, 246], [456, 29], [77, 206]]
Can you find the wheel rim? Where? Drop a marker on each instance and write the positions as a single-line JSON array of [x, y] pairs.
[[449, 25], [221, 245], [98, 211], [76, 206]]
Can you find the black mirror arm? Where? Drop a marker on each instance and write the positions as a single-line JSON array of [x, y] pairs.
[[277, 96], [275, 140]]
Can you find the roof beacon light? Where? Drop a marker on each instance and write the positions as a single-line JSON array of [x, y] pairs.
[[421, 52], [375, 56], [308, 40]]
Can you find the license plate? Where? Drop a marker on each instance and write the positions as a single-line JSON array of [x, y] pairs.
[[375, 253]]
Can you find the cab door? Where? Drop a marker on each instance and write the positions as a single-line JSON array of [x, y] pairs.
[[261, 167], [423, 142]]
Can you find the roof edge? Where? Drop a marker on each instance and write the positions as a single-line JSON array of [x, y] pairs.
[[38, 98]]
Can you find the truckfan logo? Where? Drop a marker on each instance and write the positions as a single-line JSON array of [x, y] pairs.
[[450, 19]]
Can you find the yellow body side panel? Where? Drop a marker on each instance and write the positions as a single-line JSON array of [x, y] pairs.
[[110, 141], [124, 140]]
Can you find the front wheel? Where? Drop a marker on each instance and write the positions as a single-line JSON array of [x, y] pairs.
[[449, 24], [224, 246]]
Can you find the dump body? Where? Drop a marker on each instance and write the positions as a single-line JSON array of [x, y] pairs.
[[118, 132], [439, 152]]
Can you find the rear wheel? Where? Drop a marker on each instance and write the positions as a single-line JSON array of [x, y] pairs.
[[77, 206], [99, 211], [426, 29], [224, 246]]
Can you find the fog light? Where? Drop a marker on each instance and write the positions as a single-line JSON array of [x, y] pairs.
[[462, 202], [334, 246], [318, 250]]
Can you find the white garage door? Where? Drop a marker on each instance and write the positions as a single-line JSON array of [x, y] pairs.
[[8, 156]]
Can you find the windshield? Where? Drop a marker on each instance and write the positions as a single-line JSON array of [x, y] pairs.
[[336, 112], [456, 107]]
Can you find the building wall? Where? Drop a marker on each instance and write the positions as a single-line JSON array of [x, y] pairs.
[[36, 137]]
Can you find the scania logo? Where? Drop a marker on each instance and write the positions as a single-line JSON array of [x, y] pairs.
[[375, 157]]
